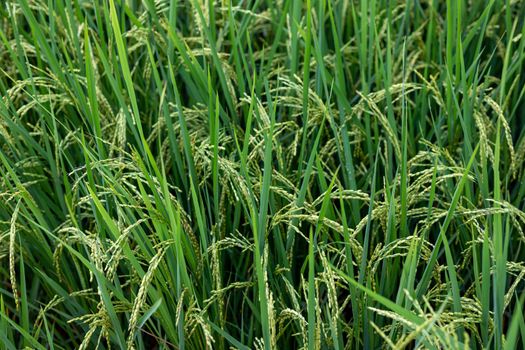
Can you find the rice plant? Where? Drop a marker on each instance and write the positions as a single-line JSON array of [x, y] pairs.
[[262, 174]]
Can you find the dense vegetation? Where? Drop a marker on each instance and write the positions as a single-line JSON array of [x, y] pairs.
[[269, 174]]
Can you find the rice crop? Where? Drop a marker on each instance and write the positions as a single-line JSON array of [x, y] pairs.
[[262, 174]]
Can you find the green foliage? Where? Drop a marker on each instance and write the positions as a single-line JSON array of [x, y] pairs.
[[268, 174]]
